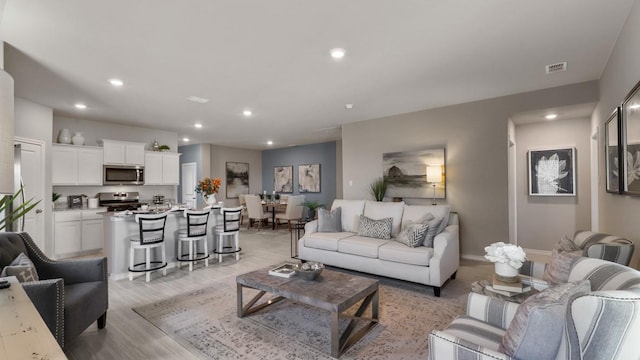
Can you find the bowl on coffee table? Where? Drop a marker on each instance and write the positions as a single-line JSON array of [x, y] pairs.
[[309, 270]]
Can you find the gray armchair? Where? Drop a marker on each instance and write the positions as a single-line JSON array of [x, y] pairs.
[[69, 296]]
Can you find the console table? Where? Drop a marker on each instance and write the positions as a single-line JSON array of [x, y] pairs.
[[23, 333]]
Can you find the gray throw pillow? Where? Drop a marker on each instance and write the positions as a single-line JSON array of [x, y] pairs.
[[432, 231], [413, 234], [330, 221], [22, 268], [557, 271], [537, 327], [379, 229]]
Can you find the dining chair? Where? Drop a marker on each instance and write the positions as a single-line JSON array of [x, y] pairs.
[[255, 211], [293, 211]]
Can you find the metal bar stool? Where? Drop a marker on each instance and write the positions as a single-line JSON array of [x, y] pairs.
[[196, 231], [229, 228], [150, 236]]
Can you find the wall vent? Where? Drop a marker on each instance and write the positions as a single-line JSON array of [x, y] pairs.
[[552, 68]]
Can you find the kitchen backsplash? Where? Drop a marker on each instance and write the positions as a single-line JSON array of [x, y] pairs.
[[146, 192]]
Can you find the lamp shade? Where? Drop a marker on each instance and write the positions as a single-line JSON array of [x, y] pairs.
[[434, 173], [6, 133]]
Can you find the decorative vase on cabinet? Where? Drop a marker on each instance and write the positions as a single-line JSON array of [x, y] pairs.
[[78, 139], [64, 137]]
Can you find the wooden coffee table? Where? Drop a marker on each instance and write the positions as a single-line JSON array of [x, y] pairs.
[[333, 291]]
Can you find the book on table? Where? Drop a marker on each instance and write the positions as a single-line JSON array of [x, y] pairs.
[[511, 287], [285, 271]]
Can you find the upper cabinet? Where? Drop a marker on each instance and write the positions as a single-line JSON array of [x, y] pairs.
[[76, 165], [123, 153], [161, 168]]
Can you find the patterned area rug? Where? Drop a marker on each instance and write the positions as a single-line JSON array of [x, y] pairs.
[[205, 322]]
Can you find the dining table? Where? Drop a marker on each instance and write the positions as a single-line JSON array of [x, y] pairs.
[[275, 207]]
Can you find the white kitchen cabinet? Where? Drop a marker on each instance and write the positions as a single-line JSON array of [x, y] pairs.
[[77, 231], [76, 165], [161, 168], [123, 153]]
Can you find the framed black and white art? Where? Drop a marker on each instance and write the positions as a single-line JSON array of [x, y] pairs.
[[631, 142], [237, 179], [613, 152], [283, 179], [309, 178], [552, 172]]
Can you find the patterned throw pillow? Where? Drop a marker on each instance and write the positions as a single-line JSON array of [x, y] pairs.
[[432, 231], [330, 221], [413, 234], [22, 268], [379, 229], [536, 329]]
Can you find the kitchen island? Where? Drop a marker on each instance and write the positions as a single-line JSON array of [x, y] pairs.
[[120, 227]]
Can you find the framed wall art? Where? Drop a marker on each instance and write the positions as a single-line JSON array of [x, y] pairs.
[[309, 178], [283, 179], [613, 152], [406, 173], [552, 172], [237, 179], [631, 142]]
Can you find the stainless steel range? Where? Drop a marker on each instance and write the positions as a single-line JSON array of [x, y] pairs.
[[120, 201]]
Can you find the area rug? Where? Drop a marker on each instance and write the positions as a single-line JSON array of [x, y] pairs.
[[205, 322]]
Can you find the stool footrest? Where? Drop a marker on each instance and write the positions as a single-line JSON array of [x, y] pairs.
[[145, 269], [227, 251], [199, 256]]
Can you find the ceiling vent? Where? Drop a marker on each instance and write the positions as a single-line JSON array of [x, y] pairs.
[[553, 68], [198, 99]]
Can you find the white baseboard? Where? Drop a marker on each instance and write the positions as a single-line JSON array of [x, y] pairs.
[[538, 252], [474, 257]]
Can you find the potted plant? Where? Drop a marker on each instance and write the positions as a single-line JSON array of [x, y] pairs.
[[15, 214], [312, 206], [508, 258], [164, 147], [378, 188]]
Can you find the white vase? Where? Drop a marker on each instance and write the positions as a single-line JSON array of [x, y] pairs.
[[77, 139], [210, 200], [64, 137], [505, 270]]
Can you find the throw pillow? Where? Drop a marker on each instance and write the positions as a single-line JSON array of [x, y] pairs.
[[432, 231], [557, 271], [565, 244], [379, 229], [330, 221], [413, 234], [537, 327], [22, 268]]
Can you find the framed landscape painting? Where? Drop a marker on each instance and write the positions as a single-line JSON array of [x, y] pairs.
[[283, 179], [309, 178], [631, 142], [613, 152], [406, 173], [552, 172], [237, 179]]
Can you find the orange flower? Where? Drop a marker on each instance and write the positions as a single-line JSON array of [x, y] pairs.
[[208, 186]]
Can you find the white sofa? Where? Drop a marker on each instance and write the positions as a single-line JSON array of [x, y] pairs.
[[425, 265]]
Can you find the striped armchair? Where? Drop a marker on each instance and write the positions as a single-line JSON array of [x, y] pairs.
[[603, 324]]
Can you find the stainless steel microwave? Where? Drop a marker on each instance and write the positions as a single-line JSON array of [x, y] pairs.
[[123, 175]]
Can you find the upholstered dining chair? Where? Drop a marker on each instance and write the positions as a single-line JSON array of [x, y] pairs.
[[254, 210], [293, 211], [243, 204]]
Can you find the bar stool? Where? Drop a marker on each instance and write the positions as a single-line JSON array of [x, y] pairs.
[[150, 236], [229, 228], [196, 231]]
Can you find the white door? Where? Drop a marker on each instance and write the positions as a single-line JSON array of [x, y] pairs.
[[32, 173], [189, 180]]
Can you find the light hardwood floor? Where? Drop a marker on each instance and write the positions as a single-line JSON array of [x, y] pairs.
[[128, 336]]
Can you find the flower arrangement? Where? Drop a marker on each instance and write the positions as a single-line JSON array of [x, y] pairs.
[[510, 254], [208, 186]]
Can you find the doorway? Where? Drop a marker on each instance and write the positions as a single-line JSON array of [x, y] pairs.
[[31, 171], [189, 180]]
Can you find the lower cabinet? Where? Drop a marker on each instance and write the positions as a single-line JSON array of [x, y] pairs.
[[77, 231]]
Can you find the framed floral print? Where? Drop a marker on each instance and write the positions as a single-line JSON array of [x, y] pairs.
[[552, 172], [631, 142], [613, 152]]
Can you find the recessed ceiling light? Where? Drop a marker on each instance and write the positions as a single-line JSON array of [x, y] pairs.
[[185, 139], [269, 142], [198, 99], [348, 106], [551, 116], [247, 113], [634, 106], [80, 106], [116, 82], [337, 53], [197, 125]]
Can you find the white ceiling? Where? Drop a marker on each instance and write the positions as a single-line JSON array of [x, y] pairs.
[[273, 58]]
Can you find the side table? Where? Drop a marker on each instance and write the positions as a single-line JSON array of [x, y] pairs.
[[297, 231], [480, 287]]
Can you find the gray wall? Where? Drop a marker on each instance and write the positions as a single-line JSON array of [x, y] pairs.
[[475, 136], [220, 155], [323, 154], [542, 220], [618, 213]]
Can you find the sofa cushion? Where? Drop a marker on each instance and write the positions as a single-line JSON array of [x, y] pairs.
[[381, 210], [360, 245], [325, 241], [416, 213], [379, 229], [475, 332], [400, 253], [22, 268], [351, 211], [330, 221], [536, 329]]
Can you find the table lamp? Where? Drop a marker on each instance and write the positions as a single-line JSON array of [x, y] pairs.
[[434, 176]]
